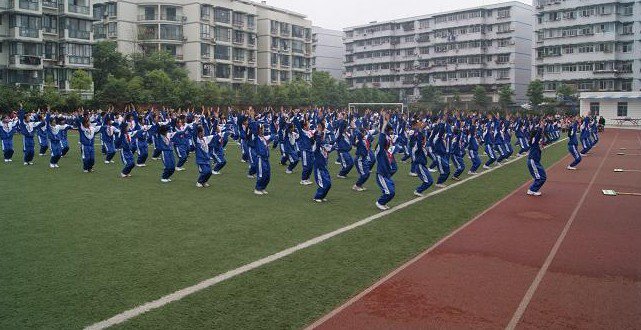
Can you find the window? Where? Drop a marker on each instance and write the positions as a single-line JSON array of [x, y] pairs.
[[205, 12], [568, 68], [207, 69], [222, 34], [626, 29], [79, 54], [221, 52], [205, 32], [626, 48], [622, 109], [205, 50], [626, 86], [504, 58], [594, 108], [221, 16], [223, 71]]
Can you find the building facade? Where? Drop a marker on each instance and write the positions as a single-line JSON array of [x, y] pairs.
[[328, 51], [490, 46], [42, 42], [217, 40], [593, 45], [611, 105]]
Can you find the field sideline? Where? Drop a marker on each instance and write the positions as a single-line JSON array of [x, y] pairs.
[[79, 248]]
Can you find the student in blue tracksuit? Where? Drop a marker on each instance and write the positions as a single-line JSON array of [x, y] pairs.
[[165, 145], [321, 150], [263, 169], [473, 150], [585, 136], [127, 137], [534, 161], [182, 138], [290, 147], [573, 142], [203, 157], [385, 164], [488, 141], [64, 141], [419, 157], [457, 153], [521, 135], [217, 148], [8, 129], [108, 136], [28, 129], [363, 145], [442, 155], [87, 134], [305, 141], [343, 147], [498, 142], [43, 139], [54, 127]]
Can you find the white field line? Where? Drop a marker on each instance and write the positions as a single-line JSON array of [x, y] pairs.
[[182, 293], [518, 314]]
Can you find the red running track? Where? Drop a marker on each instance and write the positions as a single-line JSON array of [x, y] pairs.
[[568, 259]]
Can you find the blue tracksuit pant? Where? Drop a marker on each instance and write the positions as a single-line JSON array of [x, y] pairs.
[[538, 173], [323, 181], [387, 188]]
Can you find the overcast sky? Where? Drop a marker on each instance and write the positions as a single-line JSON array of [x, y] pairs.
[[338, 14]]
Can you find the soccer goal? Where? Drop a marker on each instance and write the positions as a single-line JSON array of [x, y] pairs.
[[388, 106]]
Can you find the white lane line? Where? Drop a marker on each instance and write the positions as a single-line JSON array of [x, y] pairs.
[[518, 314], [175, 296]]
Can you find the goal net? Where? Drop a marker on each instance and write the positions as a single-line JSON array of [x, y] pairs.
[[376, 106]]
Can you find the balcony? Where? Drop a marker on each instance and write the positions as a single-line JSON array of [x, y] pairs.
[[78, 34], [51, 4], [73, 60], [25, 62], [238, 24], [77, 9], [28, 5], [145, 17], [173, 18], [25, 33]]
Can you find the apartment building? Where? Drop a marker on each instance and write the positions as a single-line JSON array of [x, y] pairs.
[[42, 42], [593, 45], [328, 51], [215, 40], [455, 51]]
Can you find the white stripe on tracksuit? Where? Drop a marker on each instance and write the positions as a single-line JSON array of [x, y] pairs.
[[535, 169], [381, 179]]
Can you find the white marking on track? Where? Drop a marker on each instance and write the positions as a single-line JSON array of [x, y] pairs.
[[182, 293]]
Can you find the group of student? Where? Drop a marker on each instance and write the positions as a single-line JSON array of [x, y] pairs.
[[431, 143]]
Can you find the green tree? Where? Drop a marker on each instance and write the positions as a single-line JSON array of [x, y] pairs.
[[264, 95], [115, 91], [107, 61], [162, 61], [211, 94], [138, 94], [81, 80], [535, 92], [505, 97], [160, 87], [246, 95], [480, 99], [431, 96], [187, 94], [565, 91]]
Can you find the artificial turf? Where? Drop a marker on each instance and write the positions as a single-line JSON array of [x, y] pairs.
[[78, 248]]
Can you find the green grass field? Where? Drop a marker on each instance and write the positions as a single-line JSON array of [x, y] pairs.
[[78, 248]]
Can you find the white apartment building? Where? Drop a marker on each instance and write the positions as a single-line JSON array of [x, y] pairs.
[[44, 42], [216, 40], [455, 51], [328, 51], [593, 45]]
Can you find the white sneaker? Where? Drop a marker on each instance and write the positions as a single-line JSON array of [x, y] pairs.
[[199, 185], [141, 165], [30, 163], [318, 200], [107, 162], [52, 166], [251, 176], [85, 171], [215, 173], [440, 185], [456, 178], [152, 158], [533, 193], [418, 194], [305, 182], [357, 188], [26, 163], [243, 161], [288, 172], [413, 174], [431, 170], [341, 176], [338, 163], [382, 207], [258, 192], [499, 164], [471, 173], [179, 169], [112, 162], [56, 165], [165, 180], [486, 167], [571, 168], [10, 160], [265, 192], [122, 175], [206, 185]]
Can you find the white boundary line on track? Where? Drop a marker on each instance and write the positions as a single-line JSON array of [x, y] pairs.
[[182, 293], [518, 314]]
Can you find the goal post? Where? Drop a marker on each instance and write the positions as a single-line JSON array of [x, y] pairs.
[[356, 106]]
